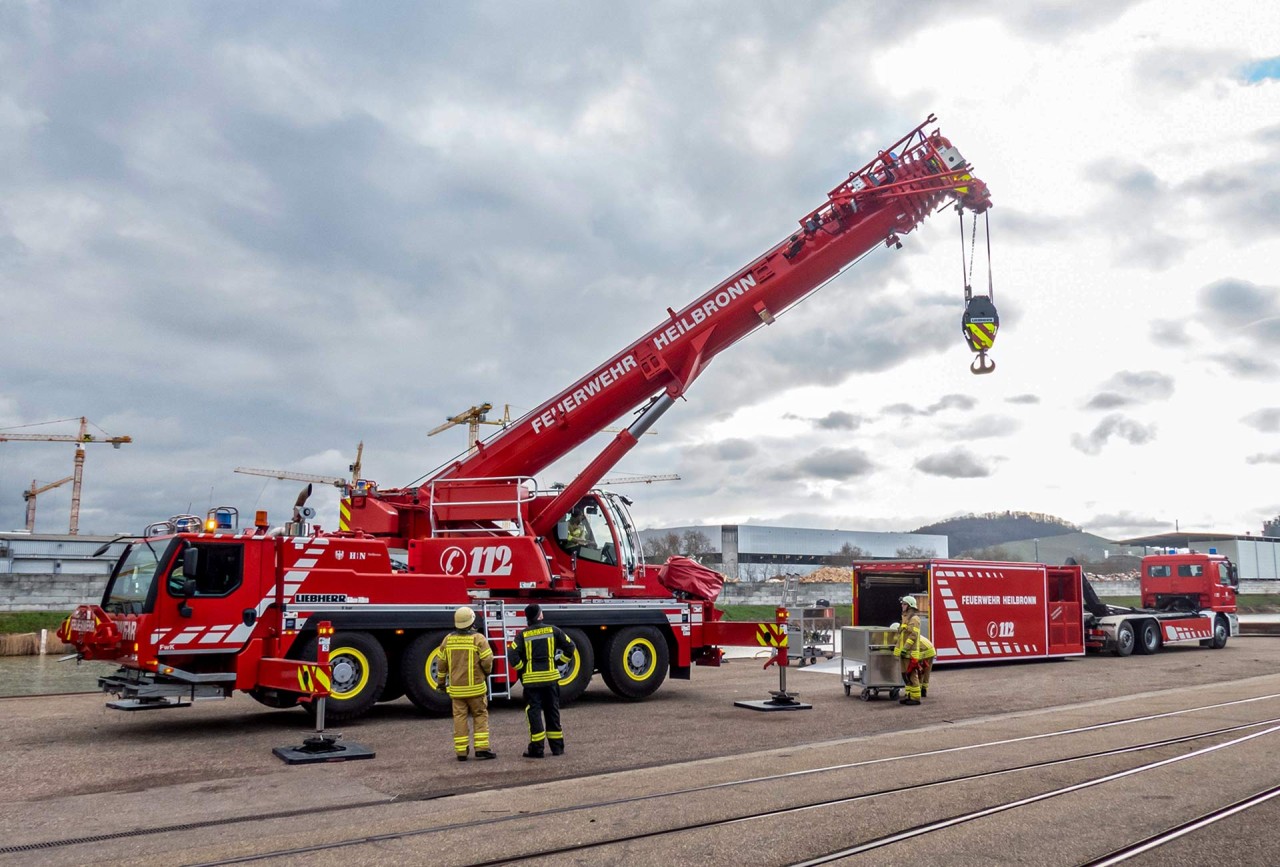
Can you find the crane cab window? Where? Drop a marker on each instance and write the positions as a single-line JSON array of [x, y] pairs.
[[1190, 570], [1226, 575], [585, 532], [219, 570]]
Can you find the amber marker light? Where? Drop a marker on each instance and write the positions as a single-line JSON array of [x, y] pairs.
[[260, 519]]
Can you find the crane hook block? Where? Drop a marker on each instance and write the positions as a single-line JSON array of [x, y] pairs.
[[979, 325]]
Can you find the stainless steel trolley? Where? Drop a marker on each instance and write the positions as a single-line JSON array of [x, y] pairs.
[[867, 661]]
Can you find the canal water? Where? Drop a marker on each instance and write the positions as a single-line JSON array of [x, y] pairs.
[[45, 675]]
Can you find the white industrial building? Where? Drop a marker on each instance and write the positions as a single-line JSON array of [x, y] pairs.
[[751, 552]]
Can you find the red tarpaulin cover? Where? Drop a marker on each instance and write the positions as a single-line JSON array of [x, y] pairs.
[[683, 576]]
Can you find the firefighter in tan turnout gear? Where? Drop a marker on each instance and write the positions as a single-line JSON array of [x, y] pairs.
[[533, 656], [466, 661], [915, 651]]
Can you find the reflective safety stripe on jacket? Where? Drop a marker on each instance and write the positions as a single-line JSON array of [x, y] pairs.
[[910, 638], [467, 661], [533, 653]]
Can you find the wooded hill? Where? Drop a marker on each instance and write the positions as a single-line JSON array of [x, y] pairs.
[[975, 532]]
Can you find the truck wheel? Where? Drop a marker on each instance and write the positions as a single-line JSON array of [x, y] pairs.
[[420, 669], [576, 673], [1148, 637], [1221, 632], [1124, 639], [636, 661], [359, 667]]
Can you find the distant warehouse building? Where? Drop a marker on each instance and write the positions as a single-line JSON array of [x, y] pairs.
[[751, 552]]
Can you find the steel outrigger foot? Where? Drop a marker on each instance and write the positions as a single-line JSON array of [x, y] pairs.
[[322, 747], [780, 698]]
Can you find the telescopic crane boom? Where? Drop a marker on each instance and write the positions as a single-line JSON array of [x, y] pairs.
[[877, 204]]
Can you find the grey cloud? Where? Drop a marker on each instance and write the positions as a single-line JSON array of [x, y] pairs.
[[838, 420], [1267, 458], [1170, 332], [1142, 384], [952, 401], [959, 463], [1178, 71], [1239, 303], [1108, 400], [834, 464], [1113, 425], [1266, 420], [1246, 365], [1124, 524], [983, 427], [1024, 399]]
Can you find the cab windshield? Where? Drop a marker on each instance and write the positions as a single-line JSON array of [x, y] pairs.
[[131, 588]]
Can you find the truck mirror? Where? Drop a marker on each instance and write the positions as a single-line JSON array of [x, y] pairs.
[[190, 563], [189, 588]]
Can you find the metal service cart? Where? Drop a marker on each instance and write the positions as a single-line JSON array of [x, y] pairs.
[[867, 661], [812, 634]]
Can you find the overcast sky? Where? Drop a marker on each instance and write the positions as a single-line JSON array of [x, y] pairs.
[[251, 234]]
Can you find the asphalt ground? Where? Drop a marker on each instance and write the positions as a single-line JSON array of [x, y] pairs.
[[200, 784]]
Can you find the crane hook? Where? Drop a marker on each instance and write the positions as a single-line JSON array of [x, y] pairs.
[[979, 324]]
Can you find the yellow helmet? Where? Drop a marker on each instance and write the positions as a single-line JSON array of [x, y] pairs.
[[909, 601], [463, 617]]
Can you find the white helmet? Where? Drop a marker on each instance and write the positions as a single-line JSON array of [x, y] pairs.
[[909, 601], [894, 627], [463, 617]]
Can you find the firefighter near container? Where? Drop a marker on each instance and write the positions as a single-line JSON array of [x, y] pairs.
[[468, 660], [915, 652], [535, 656]]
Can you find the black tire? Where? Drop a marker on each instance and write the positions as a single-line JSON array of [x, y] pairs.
[[359, 669], [575, 674], [419, 669], [1125, 639], [636, 661], [1221, 632], [1148, 637]]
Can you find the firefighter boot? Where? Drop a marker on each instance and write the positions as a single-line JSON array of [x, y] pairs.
[[908, 701], [535, 751], [485, 754], [557, 748]]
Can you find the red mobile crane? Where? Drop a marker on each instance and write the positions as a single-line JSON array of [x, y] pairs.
[[193, 615]]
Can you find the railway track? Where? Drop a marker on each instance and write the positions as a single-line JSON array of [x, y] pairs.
[[1150, 756]]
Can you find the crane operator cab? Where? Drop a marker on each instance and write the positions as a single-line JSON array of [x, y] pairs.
[[599, 530]]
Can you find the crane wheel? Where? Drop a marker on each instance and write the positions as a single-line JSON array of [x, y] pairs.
[[636, 661], [575, 674], [420, 670], [358, 666]]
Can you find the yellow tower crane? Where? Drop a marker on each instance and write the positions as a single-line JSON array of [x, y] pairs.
[[79, 439], [30, 497]]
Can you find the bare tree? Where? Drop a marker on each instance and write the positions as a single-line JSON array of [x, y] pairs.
[[662, 548], [850, 552], [1272, 527], [915, 552], [694, 545]]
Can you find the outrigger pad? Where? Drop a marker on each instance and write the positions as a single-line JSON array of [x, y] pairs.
[[145, 704], [780, 701], [323, 748]]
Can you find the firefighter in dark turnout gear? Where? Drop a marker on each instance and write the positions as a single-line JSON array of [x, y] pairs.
[[465, 662], [533, 655]]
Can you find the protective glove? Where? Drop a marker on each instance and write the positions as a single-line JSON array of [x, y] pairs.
[[897, 651]]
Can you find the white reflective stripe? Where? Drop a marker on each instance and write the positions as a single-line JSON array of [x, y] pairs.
[[948, 651], [966, 647], [216, 634], [960, 630], [295, 576], [946, 592], [955, 617], [305, 562], [239, 634]]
